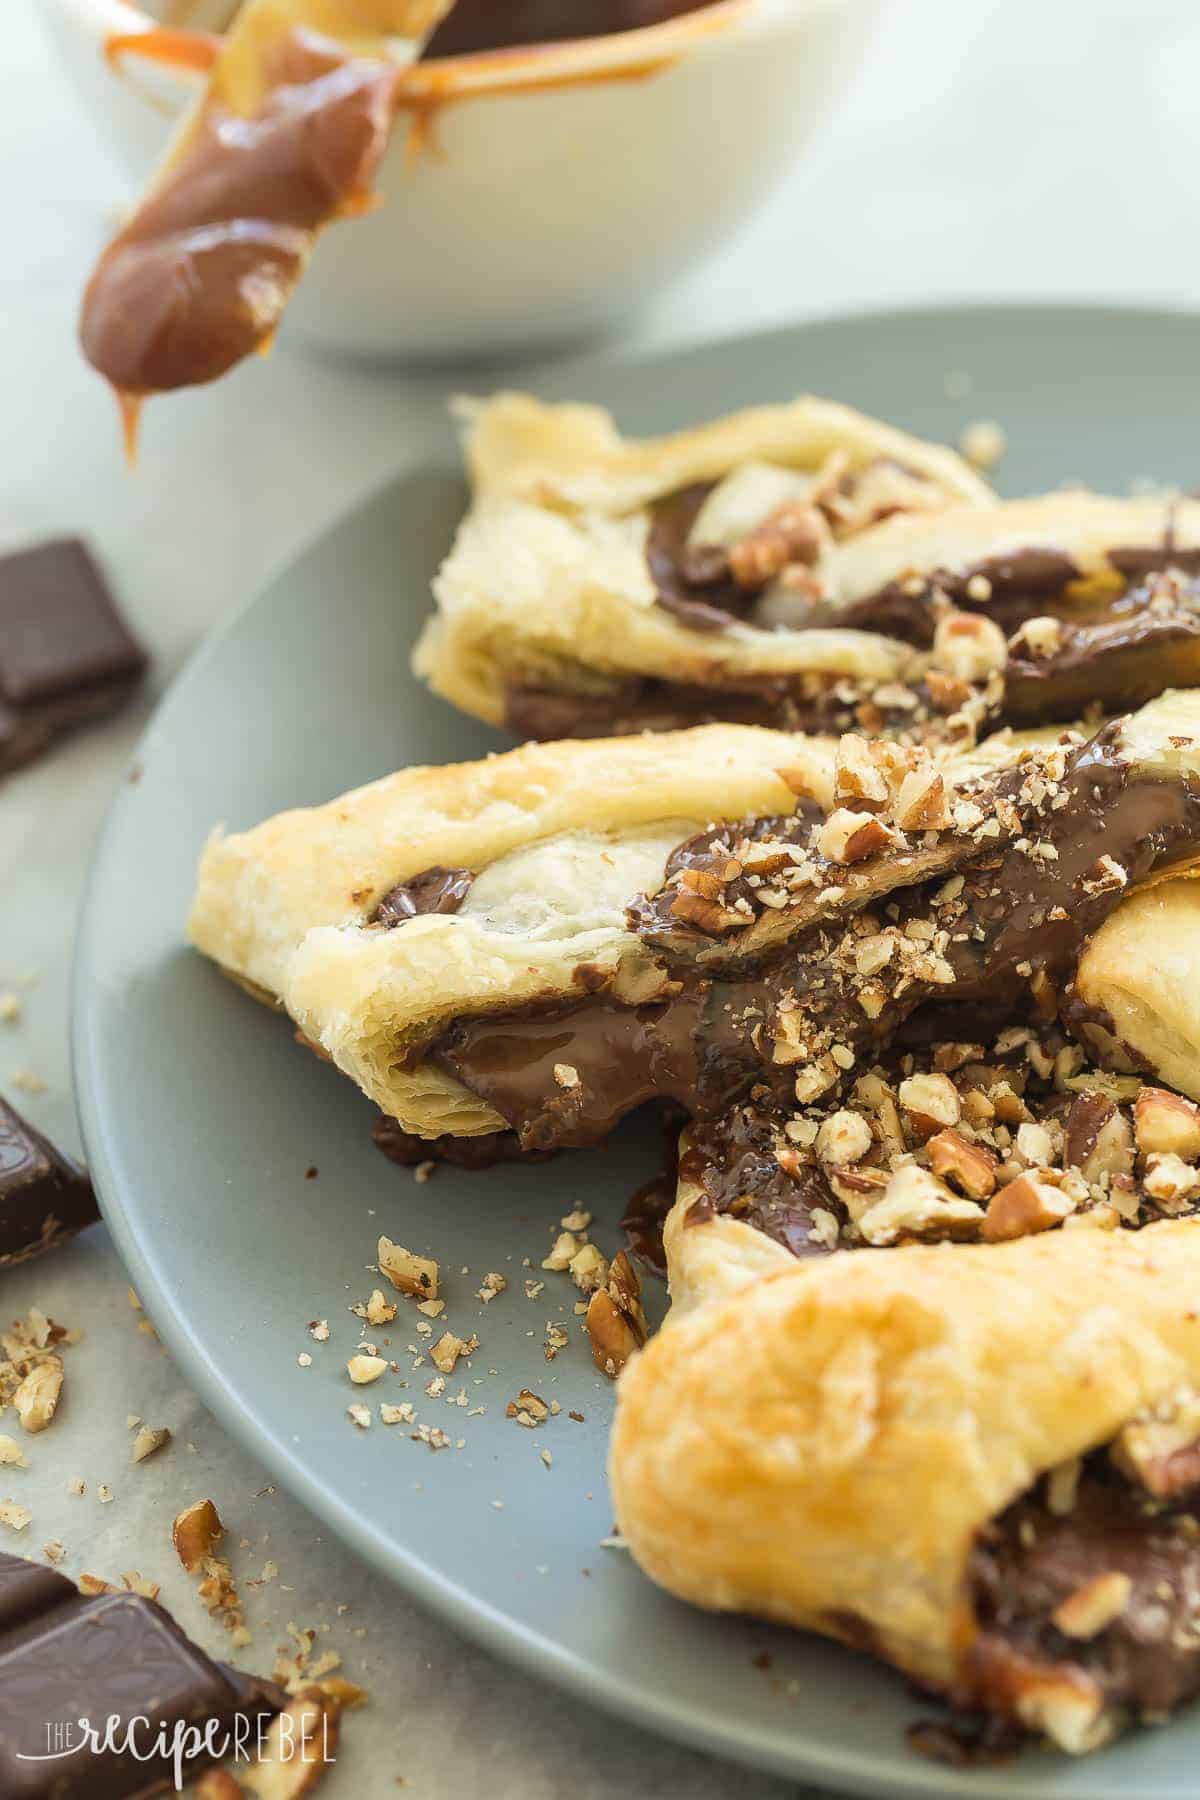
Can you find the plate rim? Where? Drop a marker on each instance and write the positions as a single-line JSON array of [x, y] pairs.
[[498, 1633]]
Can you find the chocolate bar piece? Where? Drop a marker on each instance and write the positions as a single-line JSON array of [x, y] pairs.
[[45, 1198], [95, 1694], [66, 654]]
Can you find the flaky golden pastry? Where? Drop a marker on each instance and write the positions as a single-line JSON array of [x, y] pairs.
[[824, 1446], [1139, 985], [1093, 533], [560, 837], [547, 581], [573, 458], [710, 1257]]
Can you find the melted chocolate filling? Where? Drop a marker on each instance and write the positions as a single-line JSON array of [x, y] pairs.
[[567, 1075], [694, 585], [1142, 643], [1030, 1560], [798, 703], [648, 1206], [400, 1146], [1023, 584], [434, 890], [735, 1162]]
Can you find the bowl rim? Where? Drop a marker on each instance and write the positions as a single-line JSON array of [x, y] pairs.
[[709, 25]]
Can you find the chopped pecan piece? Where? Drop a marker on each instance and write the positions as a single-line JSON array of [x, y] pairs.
[[701, 881], [1062, 1486], [219, 1784], [857, 775], [916, 1204], [793, 533], [589, 1268], [969, 1166], [706, 915], [844, 1137], [148, 1440], [446, 1352], [527, 1409], [410, 1273], [37, 1397], [930, 1102], [850, 837], [921, 804], [616, 1324], [947, 693], [365, 1369], [1166, 1122], [1041, 637], [1035, 1144], [1024, 1206], [1094, 1606], [1170, 1180], [968, 646], [196, 1532], [1099, 1139]]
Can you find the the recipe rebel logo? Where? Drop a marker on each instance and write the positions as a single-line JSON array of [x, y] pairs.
[[181, 1746]]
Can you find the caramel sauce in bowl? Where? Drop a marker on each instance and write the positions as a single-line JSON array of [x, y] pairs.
[[530, 193]]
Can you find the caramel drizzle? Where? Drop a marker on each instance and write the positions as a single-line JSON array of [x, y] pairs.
[[130, 408], [174, 49]]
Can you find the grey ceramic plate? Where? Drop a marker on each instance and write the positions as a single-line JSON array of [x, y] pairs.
[[201, 1115]]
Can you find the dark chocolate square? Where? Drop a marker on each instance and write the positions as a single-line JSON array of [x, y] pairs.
[[66, 654], [59, 627]]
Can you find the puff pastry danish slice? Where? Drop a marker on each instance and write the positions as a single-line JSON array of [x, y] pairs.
[[981, 1464], [496, 887], [545, 940], [602, 584], [786, 566]]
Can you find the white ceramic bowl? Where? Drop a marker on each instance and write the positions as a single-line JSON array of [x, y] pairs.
[[546, 213]]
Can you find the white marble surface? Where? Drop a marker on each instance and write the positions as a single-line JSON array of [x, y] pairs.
[[988, 147]]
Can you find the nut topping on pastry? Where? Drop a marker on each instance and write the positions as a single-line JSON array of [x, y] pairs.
[[1166, 1122]]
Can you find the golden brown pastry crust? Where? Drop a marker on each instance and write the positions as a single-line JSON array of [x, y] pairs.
[[547, 581], [566, 833], [1141, 975], [822, 1446], [572, 457], [714, 1255]]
